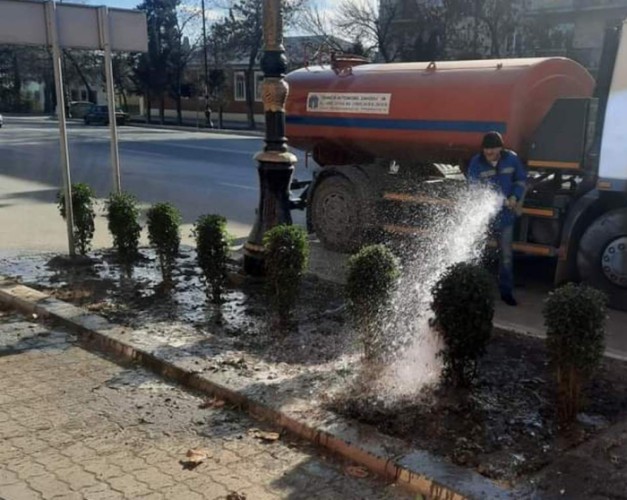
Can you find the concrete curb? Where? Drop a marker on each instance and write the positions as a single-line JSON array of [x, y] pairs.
[[391, 458], [512, 328], [183, 128]]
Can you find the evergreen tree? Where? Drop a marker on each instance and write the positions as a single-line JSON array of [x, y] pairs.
[[151, 72]]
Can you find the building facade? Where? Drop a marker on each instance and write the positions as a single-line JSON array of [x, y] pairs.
[[571, 28], [574, 28]]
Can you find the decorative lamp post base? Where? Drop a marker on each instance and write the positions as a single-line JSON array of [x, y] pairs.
[[275, 176]]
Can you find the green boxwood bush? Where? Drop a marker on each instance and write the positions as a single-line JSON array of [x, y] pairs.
[[372, 277], [287, 253], [575, 318], [212, 250], [463, 304], [164, 221], [84, 215], [123, 218]]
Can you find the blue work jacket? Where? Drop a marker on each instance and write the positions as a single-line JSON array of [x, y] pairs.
[[509, 178]]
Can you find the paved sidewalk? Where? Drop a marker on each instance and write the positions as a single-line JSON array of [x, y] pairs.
[[76, 426]]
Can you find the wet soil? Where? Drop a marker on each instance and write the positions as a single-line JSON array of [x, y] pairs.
[[504, 427]]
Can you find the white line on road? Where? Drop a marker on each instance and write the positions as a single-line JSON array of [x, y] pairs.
[[240, 186], [210, 148]]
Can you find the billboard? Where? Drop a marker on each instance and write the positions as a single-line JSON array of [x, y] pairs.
[[23, 22]]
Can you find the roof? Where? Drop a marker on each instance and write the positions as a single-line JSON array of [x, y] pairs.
[[299, 50]]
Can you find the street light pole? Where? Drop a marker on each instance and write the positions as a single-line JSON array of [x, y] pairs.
[[276, 163], [206, 71]]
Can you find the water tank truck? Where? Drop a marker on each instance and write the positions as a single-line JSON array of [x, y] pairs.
[[381, 132]]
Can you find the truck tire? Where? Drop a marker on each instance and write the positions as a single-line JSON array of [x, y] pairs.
[[335, 214], [602, 256]]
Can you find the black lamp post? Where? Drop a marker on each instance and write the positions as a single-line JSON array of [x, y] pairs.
[[276, 163]]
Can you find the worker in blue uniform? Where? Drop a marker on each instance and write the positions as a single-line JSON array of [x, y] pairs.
[[504, 171]]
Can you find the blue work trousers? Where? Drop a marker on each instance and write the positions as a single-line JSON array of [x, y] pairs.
[[505, 239]]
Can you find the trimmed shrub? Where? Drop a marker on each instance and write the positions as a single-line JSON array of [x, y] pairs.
[[84, 215], [212, 251], [123, 216], [164, 221], [575, 318], [372, 277], [287, 253], [463, 303]]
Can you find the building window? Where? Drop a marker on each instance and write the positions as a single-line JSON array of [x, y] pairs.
[[240, 86], [258, 86], [83, 95]]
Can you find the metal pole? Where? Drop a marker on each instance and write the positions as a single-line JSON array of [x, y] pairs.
[[53, 40], [276, 163], [105, 42], [204, 46]]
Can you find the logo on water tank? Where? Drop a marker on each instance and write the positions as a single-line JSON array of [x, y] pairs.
[[349, 102], [312, 103]]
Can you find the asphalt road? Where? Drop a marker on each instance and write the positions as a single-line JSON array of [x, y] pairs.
[[198, 172]]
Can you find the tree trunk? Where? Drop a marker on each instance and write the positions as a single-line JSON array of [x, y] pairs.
[[250, 99], [221, 116], [495, 46], [81, 75], [475, 35], [148, 111], [179, 110], [162, 109], [49, 97], [250, 88], [48, 78], [17, 84], [384, 52]]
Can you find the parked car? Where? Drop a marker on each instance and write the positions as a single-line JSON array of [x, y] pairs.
[[1, 121], [78, 109], [100, 114]]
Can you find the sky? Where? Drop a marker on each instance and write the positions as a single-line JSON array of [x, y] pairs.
[[325, 6], [123, 4], [131, 4]]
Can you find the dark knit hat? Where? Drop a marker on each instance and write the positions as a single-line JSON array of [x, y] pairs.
[[492, 140]]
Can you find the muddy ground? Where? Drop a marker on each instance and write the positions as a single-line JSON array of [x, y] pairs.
[[505, 427]]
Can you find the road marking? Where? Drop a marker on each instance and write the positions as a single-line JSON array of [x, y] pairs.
[[129, 151], [212, 149], [240, 186]]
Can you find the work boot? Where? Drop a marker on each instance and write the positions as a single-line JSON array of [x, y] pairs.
[[509, 299]]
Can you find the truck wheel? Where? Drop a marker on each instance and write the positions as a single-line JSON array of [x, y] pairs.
[[602, 256], [335, 214]]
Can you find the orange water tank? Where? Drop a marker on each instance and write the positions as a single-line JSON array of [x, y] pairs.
[[425, 111]]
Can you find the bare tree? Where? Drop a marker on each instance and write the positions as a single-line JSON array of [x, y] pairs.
[[244, 26], [84, 66], [316, 22], [123, 76], [218, 50], [182, 51], [372, 23], [500, 19], [327, 38]]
